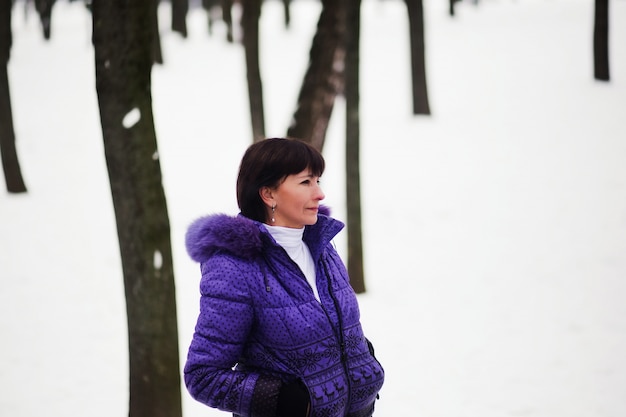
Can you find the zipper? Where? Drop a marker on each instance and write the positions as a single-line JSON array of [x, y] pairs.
[[338, 333], [342, 344]]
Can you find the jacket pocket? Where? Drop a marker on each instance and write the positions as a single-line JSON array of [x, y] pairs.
[[370, 347]]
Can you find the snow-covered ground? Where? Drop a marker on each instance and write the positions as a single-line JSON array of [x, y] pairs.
[[495, 230]]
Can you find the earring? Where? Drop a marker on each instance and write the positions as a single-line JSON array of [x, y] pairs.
[[273, 211]]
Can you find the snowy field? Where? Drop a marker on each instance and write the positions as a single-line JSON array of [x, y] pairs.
[[495, 230]]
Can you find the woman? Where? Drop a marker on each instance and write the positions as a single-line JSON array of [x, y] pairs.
[[278, 334]]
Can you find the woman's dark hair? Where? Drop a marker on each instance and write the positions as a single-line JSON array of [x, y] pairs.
[[266, 164]]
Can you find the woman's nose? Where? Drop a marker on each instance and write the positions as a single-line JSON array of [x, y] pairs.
[[319, 195]]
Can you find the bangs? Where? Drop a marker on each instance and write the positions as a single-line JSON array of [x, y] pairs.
[[290, 157], [306, 158]]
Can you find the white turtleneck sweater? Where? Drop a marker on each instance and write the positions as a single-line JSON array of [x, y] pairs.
[[291, 240]]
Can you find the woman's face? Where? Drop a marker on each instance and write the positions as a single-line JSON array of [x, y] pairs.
[[297, 200]]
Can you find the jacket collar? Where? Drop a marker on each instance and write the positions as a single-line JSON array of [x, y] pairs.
[[246, 238]]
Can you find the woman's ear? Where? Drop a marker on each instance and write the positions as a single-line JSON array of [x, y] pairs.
[[267, 195]]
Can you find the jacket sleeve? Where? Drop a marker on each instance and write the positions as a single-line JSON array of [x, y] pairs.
[[221, 332]]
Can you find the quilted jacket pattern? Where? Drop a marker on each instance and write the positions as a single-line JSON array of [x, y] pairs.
[[260, 324]]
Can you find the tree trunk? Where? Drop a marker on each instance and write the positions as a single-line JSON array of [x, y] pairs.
[[122, 38], [44, 9], [179, 16], [418, 60], [287, 12], [157, 53], [10, 163], [353, 133], [451, 6], [323, 78], [207, 5], [601, 41], [227, 16], [250, 23]]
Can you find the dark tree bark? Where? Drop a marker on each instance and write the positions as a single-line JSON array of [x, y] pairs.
[[44, 9], [418, 59], [157, 53], [601, 41], [10, 163], [226, 10], [451, 7], [122, 38], [353, 133], [250, 23], [227, 16], [208, 6], [179, 16], [324, 77], [287, 10]]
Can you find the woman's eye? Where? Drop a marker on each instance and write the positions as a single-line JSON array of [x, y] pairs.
[[309, 181]]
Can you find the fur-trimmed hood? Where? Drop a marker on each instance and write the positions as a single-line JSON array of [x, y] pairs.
[[244, 237]]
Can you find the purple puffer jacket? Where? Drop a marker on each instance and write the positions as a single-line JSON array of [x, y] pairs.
[[260, 324]]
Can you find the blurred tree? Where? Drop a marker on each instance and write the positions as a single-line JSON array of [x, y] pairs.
[[122, 39], [418, 60], [334, 69], [208, 6], [10, 163], [179, 16], [250, 25], [225, 6], [287, 9], [153, 17], [324, 76], [44, 9], [227, 16], [451, 6], [353, 137], [601, 41]]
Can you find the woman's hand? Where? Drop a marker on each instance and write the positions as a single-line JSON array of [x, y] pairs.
[[293, 400]]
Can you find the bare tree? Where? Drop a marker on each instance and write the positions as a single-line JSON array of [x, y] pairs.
[[122, 38], [225, 7], [451, 6], [601, 41], [250, 24], [287, 11], [418, 60], [353, 134], [179, 16], [208, 6], [324, 76], [227, 16], [157, 52], [44, 9], [334, 69], [10, 163]]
